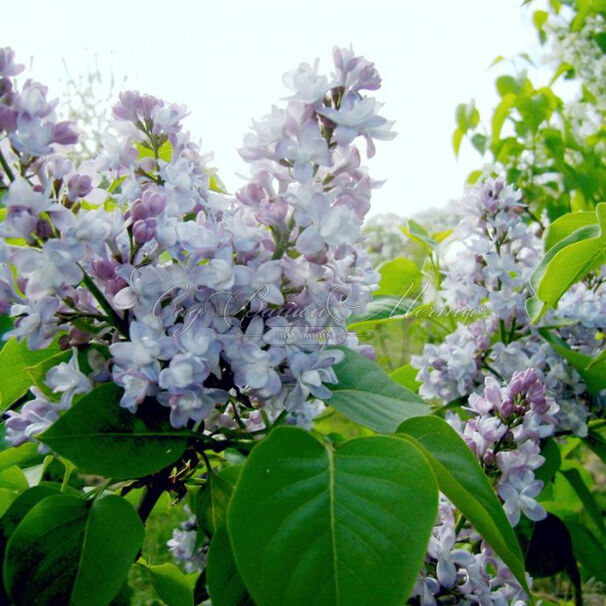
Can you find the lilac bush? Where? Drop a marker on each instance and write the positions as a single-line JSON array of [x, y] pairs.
[[173, 338]]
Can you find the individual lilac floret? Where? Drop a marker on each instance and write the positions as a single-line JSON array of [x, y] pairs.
[[35, 416], [66, 379], [8, 67]]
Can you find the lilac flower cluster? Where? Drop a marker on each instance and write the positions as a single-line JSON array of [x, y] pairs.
[[498, 253], [504, 432], [517, 388], [198, 299], [454, 573], [454, 368], [27, 117], [184, 545]]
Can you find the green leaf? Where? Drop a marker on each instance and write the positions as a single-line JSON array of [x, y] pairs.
[[367, 395], [534, 108], [589, 503], [417, 233], [407, 376], [313, 525], [588, 550], [225, 585], [69, 551], [479, 141], [170, 584], [14, 479], [597, 442], [165, 151], [553, 459], [101, 437], [462, 480], [566, 263], [15, 357], [212, 501], [457, 138], [20, 455], [539, 18], [500, 115], [12, 518], [38, 372], [566, 225], [384, 309], [508, 84], [398, 276]]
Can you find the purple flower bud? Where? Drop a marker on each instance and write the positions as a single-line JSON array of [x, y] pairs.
[[79, 186], [114, 286], [8, 67], [489, 458], [64, 133], [506, 407], [148, 164], [144, 230], [43, 229], [104, 269], [8, 118], [155, 202], [139, 211]]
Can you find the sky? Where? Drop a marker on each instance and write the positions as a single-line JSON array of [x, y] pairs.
[[225, 61]]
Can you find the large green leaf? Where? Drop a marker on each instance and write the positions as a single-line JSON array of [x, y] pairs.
[[567, 262], [101, 437], [170, 584], [72, 552], [12, 518], [15, 357], [462, 480], [349, 527], [367, 395], [224, 583], [566, 225]]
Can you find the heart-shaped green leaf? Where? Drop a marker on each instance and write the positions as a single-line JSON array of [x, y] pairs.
[[347, 527], [101, 437]]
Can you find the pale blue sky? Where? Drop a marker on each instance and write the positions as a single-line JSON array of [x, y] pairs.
[[225, 61]]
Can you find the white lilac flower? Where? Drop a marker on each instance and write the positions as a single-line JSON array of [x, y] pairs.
[[519, 494], [307, 84], [183, 545], [36, 321], [35, 416], [358, 116], [453, 368], [66, 379]]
